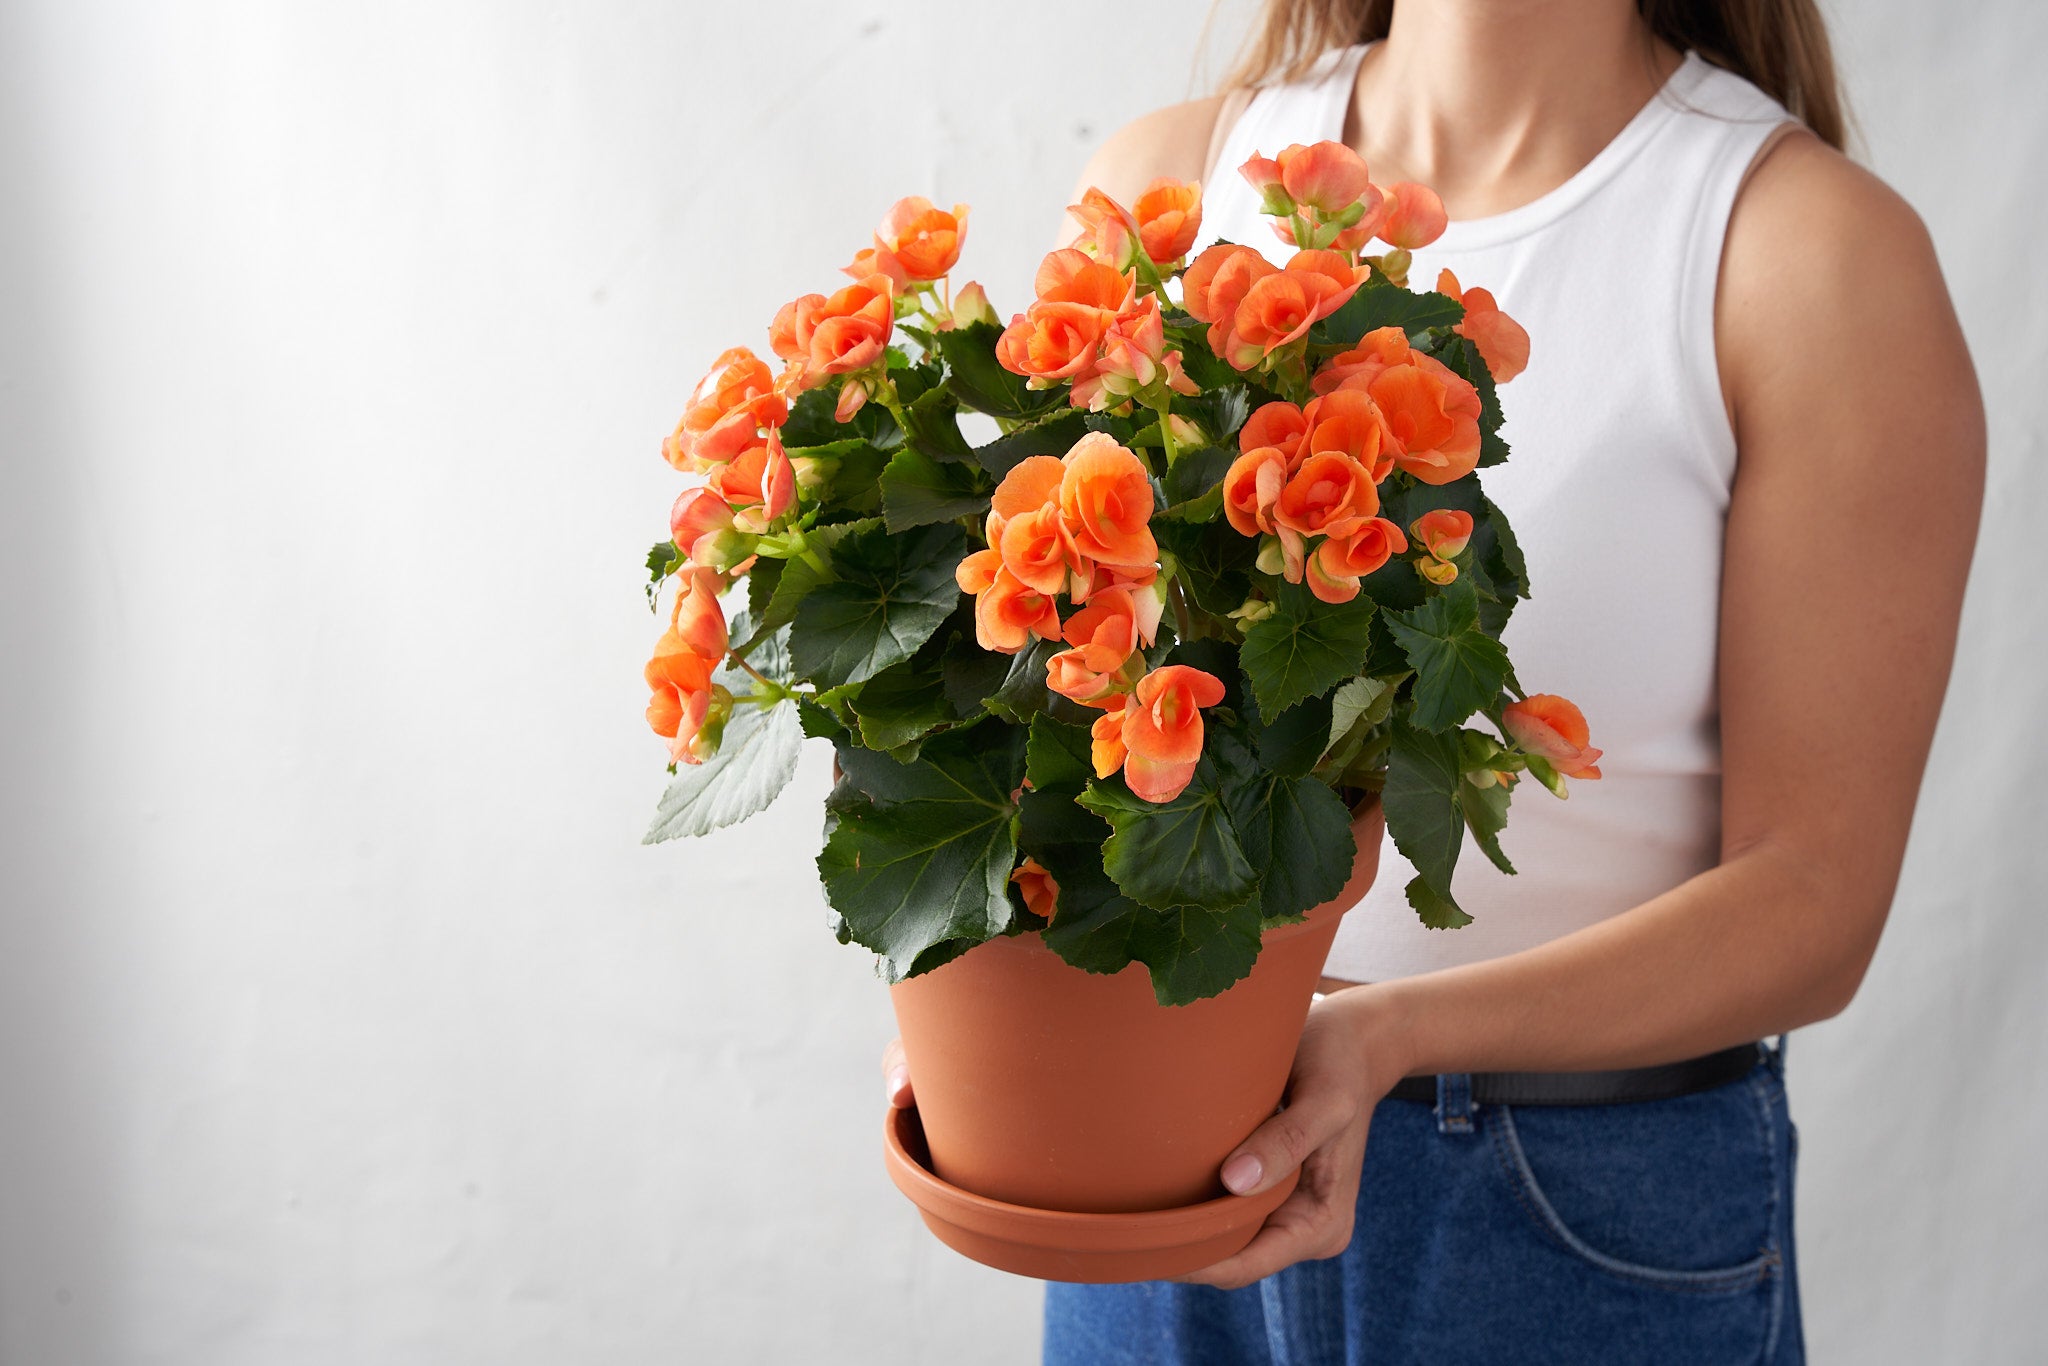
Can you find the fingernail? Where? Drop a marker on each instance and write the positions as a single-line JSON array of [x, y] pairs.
[[896, 1082], [1242, 1172]]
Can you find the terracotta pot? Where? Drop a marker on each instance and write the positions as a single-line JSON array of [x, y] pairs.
[[1045, 1087]]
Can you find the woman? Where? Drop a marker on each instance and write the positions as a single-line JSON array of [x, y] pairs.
[[1747, 466]]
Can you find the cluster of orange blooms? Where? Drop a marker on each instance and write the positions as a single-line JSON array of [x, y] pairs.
[[1081, 524], [1078, 526], [730, 434]]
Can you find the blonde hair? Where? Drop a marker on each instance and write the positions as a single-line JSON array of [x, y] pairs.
[[1780, 46]]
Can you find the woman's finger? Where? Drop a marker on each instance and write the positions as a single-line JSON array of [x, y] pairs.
[[1314, 1115], [896, 1076], [1315, 1221]]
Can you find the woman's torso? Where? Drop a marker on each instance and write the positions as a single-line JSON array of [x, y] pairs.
[[1616, 488]]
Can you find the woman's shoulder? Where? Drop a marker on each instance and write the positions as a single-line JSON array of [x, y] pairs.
[[1813, 229], [1827, 276], [1180, 141]]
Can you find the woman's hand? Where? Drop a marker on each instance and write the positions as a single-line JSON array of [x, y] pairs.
[[896, 1076], [1343, 1067]]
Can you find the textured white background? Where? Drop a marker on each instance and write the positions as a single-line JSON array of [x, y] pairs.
[[342, 1017]]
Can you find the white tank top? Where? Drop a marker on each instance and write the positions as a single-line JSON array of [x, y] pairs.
[[1617, 488]]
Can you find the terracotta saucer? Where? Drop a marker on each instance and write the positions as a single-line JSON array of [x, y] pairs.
[[1057, 1245]]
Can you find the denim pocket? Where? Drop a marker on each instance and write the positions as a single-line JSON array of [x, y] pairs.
[[1678, 1193]]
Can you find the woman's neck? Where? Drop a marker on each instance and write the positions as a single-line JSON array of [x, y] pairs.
[[1493, 103]]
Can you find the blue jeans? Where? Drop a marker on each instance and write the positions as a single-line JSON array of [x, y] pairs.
[[1652, 1232]]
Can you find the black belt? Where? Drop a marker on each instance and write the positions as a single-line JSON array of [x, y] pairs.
[[1596, 1088]]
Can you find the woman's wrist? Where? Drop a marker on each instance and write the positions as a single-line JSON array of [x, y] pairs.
[[1380, 1018]]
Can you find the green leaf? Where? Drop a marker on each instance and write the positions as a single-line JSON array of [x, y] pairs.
[[1182, 853], [1458, 667], [1370, 700], [1486, 813], [1219, 410], [1058, 757], [812, 424], [1295, 831], [1292, 741], [1437, 912], [902, 704], [852, 475], [1380, 304], [797, 577], [1023, 693], [935, 427], [1191, 954], [761, 581], [1054, 435], [1214, 561], [1305, 647], [891, 593], [1421, 803], [661, 562], [1196, 475], [917, 491], [755, 761], [1048, 818], [921, 853], [981, 382], [1501, 554]]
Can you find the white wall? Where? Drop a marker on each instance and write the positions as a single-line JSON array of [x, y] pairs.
[[342, 1017]]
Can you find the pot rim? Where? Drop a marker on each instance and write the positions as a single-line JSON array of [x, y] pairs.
[[1137, 1231]]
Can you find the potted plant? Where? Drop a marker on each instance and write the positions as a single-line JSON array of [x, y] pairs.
[[1110, 693]]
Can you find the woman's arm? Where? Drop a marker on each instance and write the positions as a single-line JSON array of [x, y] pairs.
[[1848, 541]]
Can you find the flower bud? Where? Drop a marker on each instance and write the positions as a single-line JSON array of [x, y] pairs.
[[971, 306]]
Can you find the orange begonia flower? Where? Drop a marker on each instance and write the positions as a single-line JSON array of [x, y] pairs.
[[1162, 729], [1216, 282], [1350, 423], [727, 409], [1105, 635], [1279, 424], [1031, 483], [1009, 612], [1132, 357], [1415, 216], [1106, 739], [696, 616], [1169, 216], [1376, 351], [1503, 343], [697, 513], [1340, 562], [1038, 549], [977, 573], [917, 241], [1280, 307], [1327, 176], [821, 337], [1061, 334], [682, 696], [1106, 497], [1040, 891], [1551, 728], [1251, 488], [1431, 412], [1109, 231], [759, 484], [1444, 533], [1329, 494]]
